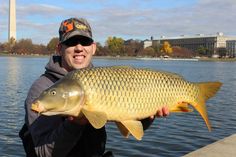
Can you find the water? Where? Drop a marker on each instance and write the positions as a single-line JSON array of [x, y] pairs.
[[173, 136]]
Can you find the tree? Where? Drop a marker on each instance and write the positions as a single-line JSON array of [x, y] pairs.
[[115, 45], [23, 46], [222, 51], [166, 48], [157, 48], [1, 47], [41, 49], [133, 47], [51, 46], [182, 52], [201, 50], [148, 51], [26, 46], [101, 51], [8, 46]]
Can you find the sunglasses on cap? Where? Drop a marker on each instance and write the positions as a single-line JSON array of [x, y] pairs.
[[84, 41]]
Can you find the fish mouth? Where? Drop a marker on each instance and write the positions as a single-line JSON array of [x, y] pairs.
[[37, 107]]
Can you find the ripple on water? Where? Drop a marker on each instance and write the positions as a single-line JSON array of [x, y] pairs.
[[173, 136]]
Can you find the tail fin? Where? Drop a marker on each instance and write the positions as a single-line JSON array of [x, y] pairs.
[[207, 90]]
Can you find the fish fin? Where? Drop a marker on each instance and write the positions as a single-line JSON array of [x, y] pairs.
[[171, 74], [181, 107], [134, 127], [207, 90], [96, 119], [123, 130], [120, 66], [174, 75]]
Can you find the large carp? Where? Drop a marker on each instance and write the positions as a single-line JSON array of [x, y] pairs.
[[124, 95]]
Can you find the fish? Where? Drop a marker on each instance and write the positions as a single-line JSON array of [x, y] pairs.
[[124, 95]]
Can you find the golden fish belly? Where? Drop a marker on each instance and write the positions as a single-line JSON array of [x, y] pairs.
[[129, 93]]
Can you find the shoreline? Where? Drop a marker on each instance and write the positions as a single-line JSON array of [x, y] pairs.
[[136, 58]]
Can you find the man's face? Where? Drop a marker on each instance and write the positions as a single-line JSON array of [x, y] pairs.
[[77, 53]]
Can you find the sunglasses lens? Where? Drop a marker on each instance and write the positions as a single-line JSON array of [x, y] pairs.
[[71, 43], [78, 40]]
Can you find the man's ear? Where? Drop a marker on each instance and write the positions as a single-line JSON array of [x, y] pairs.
[[94, 47]]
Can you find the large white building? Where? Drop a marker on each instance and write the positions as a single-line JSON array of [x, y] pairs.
[[231, 48], [211, 43]]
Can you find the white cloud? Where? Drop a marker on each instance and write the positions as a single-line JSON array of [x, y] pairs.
[[38, 9], [206, 17], [130, 20]]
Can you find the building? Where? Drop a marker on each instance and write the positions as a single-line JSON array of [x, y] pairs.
[[12, 20], [231, 48], [147, 43], [131, 41], [210, 43]]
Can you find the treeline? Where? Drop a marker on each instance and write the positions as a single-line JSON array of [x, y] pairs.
[[113, 47], [27, 47]]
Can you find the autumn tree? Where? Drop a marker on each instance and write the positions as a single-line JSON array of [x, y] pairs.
[[166, 48], [149, 51], [8, 46], [51, 46], [41, 49], [182, 52], [115, 45], [1, 47], [133, 48], [23, 46], [26, 47], [101, 50]]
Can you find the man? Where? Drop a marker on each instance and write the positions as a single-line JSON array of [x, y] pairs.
[[56, 135]]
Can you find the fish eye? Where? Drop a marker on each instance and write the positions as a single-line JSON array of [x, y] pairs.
[[53, 92]]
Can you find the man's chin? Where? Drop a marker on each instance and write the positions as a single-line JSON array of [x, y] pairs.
[[79, 66]]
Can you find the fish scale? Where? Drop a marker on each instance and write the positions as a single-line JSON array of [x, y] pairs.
[[140, 91]]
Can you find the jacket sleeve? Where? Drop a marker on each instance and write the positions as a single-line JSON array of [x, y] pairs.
[[147, 123], [52, 135]]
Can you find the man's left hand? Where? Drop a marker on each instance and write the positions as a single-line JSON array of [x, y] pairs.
[[161, 113]]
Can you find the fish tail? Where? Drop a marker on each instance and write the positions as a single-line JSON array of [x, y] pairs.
[[207, 90]]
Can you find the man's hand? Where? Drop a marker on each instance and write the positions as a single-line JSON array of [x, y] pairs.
[[161, 113]]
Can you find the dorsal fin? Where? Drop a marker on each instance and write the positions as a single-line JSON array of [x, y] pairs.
[[173, 75], [121, 66]]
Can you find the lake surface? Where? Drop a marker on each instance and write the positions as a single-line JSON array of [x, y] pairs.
[[174, 136]]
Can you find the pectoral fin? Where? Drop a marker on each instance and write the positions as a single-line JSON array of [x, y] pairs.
[[134, 127], [123, 130], [181, 107], [96, 119]]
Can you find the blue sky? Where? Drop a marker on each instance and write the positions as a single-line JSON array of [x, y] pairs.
[[137, 19]]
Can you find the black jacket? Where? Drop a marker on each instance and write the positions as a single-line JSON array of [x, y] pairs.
[[54, 135]]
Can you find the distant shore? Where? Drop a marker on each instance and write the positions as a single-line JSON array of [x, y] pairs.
[[131, 57]]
